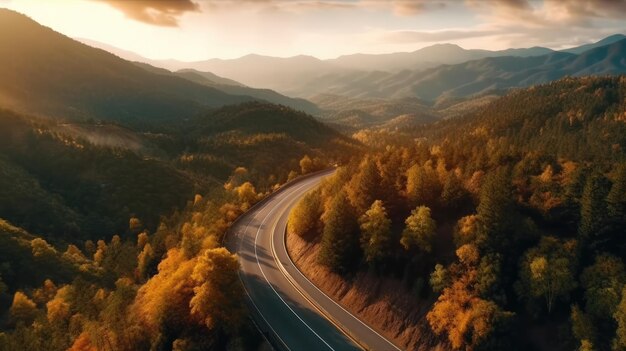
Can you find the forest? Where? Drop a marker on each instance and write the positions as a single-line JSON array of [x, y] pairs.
[[507, 222], [104, 247], [510, 219]]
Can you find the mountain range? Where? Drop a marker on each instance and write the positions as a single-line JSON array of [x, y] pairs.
[[373, 75], [476, 77], [46, 73]]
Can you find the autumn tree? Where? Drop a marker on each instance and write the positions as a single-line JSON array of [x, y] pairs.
[[246, 194], [23, 308], [308, 165], [304, 219], [419, 232], [135, 225], [340, 241], [547, 271], [58, 309], [422, 187], [218, 294], [364, 187], [375, 233], [582, 326], [144, 261], [467, 320]]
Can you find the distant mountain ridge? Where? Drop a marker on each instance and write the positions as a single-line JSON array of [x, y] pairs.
[[474, 77], [431, 73], [291, 75]]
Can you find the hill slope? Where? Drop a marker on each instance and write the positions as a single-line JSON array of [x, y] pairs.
[[46, 73]]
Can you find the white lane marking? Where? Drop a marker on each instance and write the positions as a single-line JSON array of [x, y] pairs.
[[299, 288], [324, 294], [265, 277], [250, 297]]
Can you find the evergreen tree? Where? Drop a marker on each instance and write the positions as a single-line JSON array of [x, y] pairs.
[[593, 212], [603, 283], [496, 212], [453, 195], [616, 199], [340, 241], [375, 233]]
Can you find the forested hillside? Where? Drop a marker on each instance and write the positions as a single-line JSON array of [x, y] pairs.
[[101, 227], [49, 74], [506, 223]]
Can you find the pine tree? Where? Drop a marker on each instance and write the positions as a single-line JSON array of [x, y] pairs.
[[616, 199], [375, 233], [593, 212], [454, 194], [496, 212], [340, 241]]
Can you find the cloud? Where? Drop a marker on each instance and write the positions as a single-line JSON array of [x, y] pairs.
[[409, 36], [550, 13], [415, 7], [156, 12]]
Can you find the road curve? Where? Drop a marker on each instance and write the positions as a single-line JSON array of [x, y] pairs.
[[292, 312]]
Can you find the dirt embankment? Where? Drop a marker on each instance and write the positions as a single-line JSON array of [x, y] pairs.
[[385, 304]]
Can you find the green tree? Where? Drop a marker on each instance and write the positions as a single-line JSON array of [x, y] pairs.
[[593, 210], [419, 232], [616, 199], [375, 233], [548, 270], [340, 241], [439, 278], [603, 283], [453, 195], [496, 212]]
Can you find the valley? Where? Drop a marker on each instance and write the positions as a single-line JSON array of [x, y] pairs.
[[458, 194]]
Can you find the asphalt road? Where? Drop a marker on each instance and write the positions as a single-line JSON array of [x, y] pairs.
[[285, 305]]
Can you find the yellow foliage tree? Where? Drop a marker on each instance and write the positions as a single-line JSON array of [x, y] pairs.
[[247, 194], [23, 308], [217, 299]]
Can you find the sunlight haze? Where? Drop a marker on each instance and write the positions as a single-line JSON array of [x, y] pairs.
[[189, 30]]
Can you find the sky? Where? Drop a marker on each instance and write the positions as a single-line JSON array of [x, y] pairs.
[[193, 30]]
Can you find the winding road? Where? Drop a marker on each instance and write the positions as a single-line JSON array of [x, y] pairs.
[[290, 310]]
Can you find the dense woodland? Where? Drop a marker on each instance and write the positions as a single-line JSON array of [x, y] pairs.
[[103, 247], [510, 219]]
